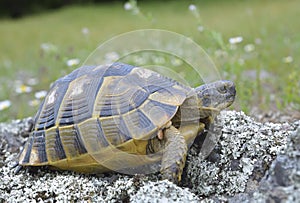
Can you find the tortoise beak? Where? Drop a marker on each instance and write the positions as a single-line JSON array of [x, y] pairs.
[[231, 92], [227, 89]]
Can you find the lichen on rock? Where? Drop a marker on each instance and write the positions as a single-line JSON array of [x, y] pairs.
[[249, 162], [245, 150]]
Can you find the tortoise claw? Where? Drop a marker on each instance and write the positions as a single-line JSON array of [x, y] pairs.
[[172, 174], [17, 168]]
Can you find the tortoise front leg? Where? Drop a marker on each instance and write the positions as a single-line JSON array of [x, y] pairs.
[[174, 155], [175, 151]]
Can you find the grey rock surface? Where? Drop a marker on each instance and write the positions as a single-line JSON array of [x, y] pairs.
[[240, 160]]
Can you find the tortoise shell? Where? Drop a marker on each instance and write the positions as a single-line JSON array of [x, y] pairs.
[[93, 119]]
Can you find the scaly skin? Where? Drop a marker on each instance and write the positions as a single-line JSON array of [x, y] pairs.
[[174, 155], [211, 98], [175, 150]]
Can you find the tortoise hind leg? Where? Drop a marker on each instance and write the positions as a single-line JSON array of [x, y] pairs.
[[174, 155]]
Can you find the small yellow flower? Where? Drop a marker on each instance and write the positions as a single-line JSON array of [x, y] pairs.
[[23, 89]]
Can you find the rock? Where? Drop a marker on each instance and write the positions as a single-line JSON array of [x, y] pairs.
[[246, 149], [14, 134], [239, 160], [163, 191], [281, 183]]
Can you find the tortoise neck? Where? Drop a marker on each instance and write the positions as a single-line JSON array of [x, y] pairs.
[[188, 112]]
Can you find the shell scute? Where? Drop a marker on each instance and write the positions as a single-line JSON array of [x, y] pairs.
[[139, 124], [94, 138], [54, 146], [118, 69], [45, 118], [115, 130], [38, 147], [71, 141]]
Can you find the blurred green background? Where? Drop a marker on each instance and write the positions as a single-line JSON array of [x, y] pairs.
[[255, 43]]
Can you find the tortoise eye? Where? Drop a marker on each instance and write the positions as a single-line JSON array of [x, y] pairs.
[[222, 89]]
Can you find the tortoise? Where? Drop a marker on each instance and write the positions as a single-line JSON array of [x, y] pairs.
[[120, 117]]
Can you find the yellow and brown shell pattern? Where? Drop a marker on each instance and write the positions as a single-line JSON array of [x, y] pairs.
[[95, 108]]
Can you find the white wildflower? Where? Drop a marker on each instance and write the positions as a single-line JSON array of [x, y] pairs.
[[235, 40], [132, 6], [73, 62], [287, 59], [40, 94], [200, 28], [249, 48], [128, 6], [192, 7], [4, 104], [85, 31]]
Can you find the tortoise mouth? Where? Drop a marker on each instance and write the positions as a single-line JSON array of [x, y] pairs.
[[228, 102], [230, 99]]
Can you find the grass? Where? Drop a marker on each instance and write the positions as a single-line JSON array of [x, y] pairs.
[[266, 77]]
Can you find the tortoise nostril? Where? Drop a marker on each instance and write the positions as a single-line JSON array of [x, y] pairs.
[[232, 89]]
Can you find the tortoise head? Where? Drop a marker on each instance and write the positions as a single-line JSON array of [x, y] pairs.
[[219, 94]]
